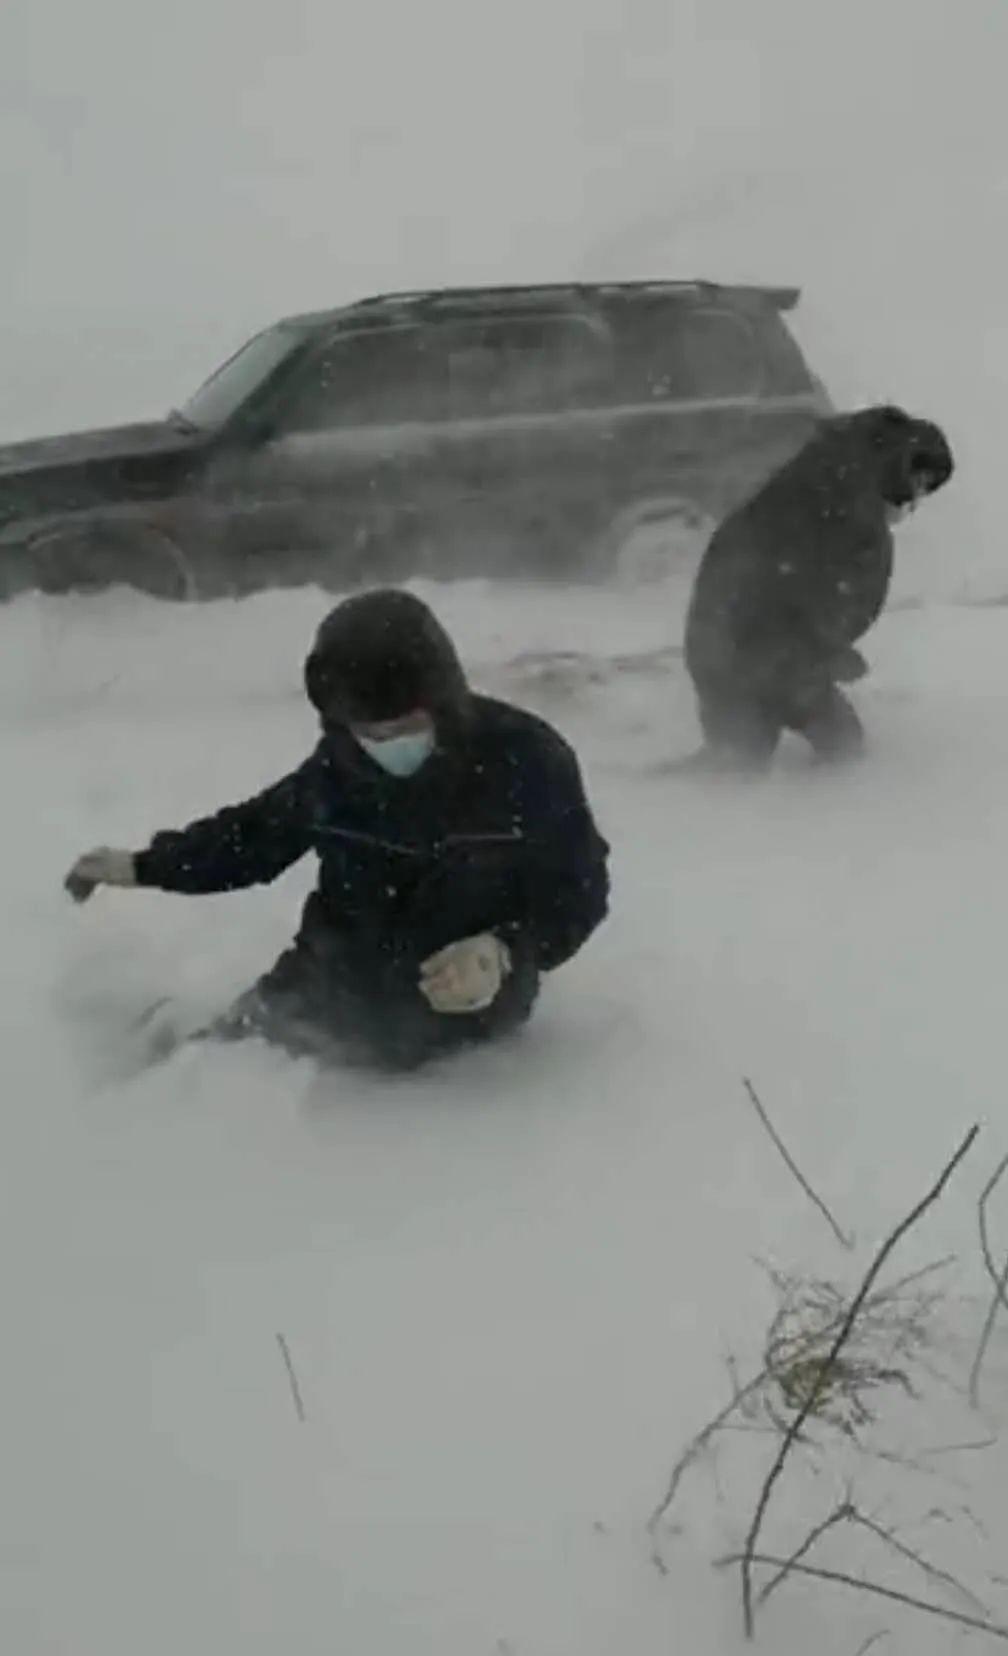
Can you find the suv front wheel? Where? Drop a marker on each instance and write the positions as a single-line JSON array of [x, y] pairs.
[[99, 557]]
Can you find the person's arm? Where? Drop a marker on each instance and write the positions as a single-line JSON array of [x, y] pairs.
[[241, 845], [566, 885], [549, 891], [835, 591]]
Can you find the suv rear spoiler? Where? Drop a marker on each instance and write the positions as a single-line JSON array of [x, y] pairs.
[[778, 298]]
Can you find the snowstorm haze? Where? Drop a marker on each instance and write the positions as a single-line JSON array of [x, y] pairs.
[[506, 1287], [177, 176]]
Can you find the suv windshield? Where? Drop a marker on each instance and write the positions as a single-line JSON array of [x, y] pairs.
[[244, 373]]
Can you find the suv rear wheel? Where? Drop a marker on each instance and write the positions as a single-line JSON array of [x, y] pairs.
[[658, 540]]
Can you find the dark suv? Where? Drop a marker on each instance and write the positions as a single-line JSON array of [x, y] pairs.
[[499, 431]]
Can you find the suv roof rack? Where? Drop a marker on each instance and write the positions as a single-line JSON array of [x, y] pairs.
[[424, 301]]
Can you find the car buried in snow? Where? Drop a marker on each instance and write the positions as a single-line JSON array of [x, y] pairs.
[[564, 432]]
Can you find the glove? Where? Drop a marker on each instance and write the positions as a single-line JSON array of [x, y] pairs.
[[100, 867], [467, 975]]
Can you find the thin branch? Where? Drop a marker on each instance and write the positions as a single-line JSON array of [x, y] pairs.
[[697, 1444], [754, 1099], [299, 1408], [985, 1196], [692, 1451], [1000, 1298], [742, 1393], [957, 1448], [839, 1515], [731, 1369], [999, 1279], [980, 1528], [939, 1515], [872, 1640], [826, 1368], [143, 1018], [892, 1457], [911, 1277], [932, 1571], [874, 1587], [933, 1372], [847, 1512]]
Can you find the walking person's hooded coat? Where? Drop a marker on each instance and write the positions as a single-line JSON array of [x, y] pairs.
[[796, 576]]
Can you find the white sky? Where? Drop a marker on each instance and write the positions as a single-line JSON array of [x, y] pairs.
[[176, 176]]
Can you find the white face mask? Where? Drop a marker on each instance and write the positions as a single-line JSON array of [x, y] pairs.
[[899, 514], [400, 755]]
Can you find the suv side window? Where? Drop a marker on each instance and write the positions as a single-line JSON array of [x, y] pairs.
[[683, 354], [525, 365], [370, 377], [451, 370], [787, 372]]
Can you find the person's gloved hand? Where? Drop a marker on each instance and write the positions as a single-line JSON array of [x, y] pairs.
[[467, 975], [102, 866]]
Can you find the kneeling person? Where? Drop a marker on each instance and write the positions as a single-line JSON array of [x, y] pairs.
[[458, 856]]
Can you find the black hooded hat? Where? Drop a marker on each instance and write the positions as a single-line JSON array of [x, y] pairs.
[[383, 654], [910, 457]]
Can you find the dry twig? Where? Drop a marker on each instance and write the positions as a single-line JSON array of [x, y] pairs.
[[999, 1279], [847, 1512], [888, 1337], [839, 1515], [932, 1571], [748, 1556], [957, 1448], [299, 1407], [741, 1396], [692, 1451], [872, 1640], [754, 1099], [802, 1352], [874, 1587]]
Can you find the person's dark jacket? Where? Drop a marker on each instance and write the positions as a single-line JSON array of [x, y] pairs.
[[798, 573], [493, 834]]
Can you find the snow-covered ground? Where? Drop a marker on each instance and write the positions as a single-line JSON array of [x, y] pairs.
[[507, 1286]]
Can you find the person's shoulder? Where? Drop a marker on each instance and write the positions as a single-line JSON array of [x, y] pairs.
[[500, 723], [328, 765], [335, 753]]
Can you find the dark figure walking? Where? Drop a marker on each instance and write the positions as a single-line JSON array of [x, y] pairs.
[[793, 578], [458, 857]]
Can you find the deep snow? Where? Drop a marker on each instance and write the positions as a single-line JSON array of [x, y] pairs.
[[507, 1285]]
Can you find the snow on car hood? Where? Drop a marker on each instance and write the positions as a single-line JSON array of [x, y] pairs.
[[110, 443]]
